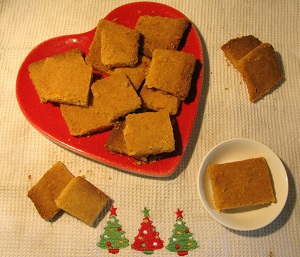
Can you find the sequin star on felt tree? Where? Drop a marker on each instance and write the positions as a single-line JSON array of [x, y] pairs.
[[182, 239], [148, 238]]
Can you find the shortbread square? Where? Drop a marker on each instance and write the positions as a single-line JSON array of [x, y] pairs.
[[160, 32], [157, 100], [115, 142], [64, 78], [36, 75], [136, 74], [94, 55], [241, 183], [171, 71], [148, 133], [83, 121], [116, 95], [237, 48], [45, 191], [82, 200], [119, 46], [260, 70]]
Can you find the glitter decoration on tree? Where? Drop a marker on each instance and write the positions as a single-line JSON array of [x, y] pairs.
[[113, 238], [148, 239], [182, 239]]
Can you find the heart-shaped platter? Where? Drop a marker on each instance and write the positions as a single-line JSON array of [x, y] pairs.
[[47, 118]]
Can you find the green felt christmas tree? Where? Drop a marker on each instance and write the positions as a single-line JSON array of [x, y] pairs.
[[182, 239], [113, 238]]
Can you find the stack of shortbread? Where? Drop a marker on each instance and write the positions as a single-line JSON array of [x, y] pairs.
[[58, 190], [256, 62]]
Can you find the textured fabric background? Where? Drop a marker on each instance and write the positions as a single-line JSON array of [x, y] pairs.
[[224, 112]]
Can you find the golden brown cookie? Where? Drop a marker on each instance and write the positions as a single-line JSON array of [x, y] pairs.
[[119, 46], [63, 78], [171, 71], [82, 200], [260, 70], [137, 73], [45, 191], [83, 121], [237, 48], [116, 95], [148, 133], [241, 183], [160, 32], [94, 55], [115, 142], [156, 100]]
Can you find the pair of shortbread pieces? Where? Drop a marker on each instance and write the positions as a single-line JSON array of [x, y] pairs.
[[241, 183], [59, 190], [113, 46], [256, 62]]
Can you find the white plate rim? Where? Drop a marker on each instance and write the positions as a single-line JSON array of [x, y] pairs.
[[254, 149]]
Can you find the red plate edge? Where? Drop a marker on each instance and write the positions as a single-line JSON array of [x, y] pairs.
[[56, 130]]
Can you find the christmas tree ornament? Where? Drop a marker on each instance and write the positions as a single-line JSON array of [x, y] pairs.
[[147, 240], [181, 240], [113, 238]]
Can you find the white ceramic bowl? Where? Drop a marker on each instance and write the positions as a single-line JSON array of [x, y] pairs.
[[249, 218]]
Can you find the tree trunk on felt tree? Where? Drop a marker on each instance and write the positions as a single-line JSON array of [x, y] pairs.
[[147, 240], [181, 240], [113, 238]]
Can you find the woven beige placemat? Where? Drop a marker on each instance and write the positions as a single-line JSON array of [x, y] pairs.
[[224, 112]]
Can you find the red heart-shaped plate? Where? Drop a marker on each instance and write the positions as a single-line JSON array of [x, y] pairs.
[[47, 118]]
